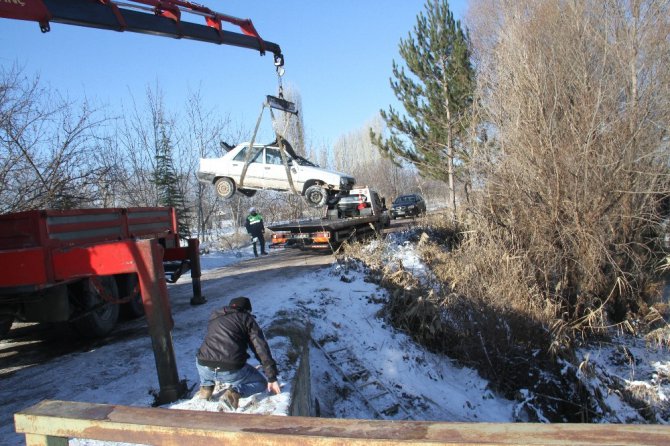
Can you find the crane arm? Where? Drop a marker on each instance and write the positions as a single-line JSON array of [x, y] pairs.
[[156, 17]]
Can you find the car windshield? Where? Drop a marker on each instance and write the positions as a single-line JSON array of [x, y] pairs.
[[304, 162], [406, 199]]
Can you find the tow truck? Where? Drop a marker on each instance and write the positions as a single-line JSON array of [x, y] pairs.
[[359, 214]]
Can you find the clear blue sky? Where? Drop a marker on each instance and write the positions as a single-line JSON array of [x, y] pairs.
[[338, 55]]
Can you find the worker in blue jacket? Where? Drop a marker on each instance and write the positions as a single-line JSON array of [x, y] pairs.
[[256, 229]]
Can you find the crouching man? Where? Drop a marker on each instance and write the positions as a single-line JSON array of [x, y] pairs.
[[222, 357]]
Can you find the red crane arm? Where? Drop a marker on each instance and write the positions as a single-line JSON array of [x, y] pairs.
[[157, 17]]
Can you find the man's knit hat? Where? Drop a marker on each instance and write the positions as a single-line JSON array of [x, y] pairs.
[[241, 303]]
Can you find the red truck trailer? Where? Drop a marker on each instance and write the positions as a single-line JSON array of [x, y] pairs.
[[44, 282], [80, 265]]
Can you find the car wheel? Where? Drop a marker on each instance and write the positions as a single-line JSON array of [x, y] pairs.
[[247, 192], [316, 196], [225, 187]]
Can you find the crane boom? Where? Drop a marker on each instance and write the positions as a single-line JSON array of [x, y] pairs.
[[156, 17]]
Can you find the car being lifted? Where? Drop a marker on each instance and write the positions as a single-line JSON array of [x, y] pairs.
[[270, 169]]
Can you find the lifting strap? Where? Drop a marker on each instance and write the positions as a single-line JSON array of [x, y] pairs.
[[279, 103]]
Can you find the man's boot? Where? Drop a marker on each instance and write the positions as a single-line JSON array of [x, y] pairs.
[[231, 398], [205, 392]]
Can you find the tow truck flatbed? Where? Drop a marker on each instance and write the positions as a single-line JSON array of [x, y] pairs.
[[359, 214]]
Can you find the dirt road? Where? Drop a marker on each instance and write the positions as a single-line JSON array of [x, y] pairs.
[[29, 344]]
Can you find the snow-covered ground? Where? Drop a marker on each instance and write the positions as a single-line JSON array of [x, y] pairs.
[[344, 310]]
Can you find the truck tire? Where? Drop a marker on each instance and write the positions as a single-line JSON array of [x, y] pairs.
[[99, 322], [316, 196], [225, 187], [128, 285]]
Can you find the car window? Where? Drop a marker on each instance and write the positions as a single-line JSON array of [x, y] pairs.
[[272, 156], [241, 156], [349, 199]]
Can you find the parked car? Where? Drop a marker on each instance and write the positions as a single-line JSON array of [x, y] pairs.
[[408, 206], [266, 170]]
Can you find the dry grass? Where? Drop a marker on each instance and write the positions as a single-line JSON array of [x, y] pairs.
[[481, 304]]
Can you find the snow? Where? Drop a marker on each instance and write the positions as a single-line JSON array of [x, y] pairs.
[[344, 309]]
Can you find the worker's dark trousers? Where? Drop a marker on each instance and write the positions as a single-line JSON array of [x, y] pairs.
[[261, 240]]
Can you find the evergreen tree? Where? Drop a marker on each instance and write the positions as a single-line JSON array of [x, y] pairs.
[[168, 182], [436, 94]]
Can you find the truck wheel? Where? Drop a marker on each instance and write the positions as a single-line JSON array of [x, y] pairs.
[[316, 196], [103, 320], [128, 285], [225, 187], [6, 321]]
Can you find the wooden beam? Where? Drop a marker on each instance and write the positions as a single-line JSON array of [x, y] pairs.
[[157, 426]]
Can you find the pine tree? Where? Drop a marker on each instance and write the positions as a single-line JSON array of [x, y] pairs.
[[436, 94], [167, 182]]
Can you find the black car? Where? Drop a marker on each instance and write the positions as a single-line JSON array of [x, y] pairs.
[[408, 206]]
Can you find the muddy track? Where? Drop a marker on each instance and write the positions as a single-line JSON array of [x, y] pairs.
[[29, 344]]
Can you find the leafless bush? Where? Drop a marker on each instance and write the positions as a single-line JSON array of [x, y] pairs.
[[576, 104]]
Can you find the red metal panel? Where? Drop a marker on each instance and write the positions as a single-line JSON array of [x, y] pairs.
[[69, 228], [100, 259], [172, 254], [55, 228], [20, 230], [154, 222], [23, 267]]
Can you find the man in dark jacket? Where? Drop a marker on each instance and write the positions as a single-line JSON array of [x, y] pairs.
[[222, 357], [256, 229]]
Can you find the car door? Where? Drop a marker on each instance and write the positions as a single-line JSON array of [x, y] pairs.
[[274, 172], [254, 176]]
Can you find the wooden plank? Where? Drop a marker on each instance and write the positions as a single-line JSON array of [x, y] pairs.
[[159, 426], [43, 440]]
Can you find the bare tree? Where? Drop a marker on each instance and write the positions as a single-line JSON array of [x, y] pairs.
[[356, 153], [139, 134], [46, 144], [203, 138]]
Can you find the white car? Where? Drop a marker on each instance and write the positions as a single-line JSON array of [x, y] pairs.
[[267, 171]]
